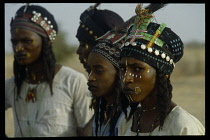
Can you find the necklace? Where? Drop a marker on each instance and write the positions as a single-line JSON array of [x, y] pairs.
[[31, 94], [139, 118], [145, 110]]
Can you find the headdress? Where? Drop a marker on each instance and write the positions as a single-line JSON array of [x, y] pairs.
[[109, 44], [95, 23], [152, 43], [36, 19]]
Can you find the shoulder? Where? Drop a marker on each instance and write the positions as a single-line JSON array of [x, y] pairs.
[[183, 122], [69, 74]]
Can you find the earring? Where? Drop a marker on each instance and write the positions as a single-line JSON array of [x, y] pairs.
[[86, 47]]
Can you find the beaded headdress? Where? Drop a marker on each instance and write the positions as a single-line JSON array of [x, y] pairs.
[[95, 23], [36, 19], [109, 44], [152, 43]]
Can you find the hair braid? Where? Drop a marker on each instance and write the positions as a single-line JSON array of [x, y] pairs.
[[49, 61], [164, 95]]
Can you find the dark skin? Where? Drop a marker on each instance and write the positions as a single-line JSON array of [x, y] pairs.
[[27, 47], [83, 51], [146, 97], [102, 77]]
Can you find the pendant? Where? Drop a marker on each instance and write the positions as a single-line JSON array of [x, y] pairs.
[[31, 95]]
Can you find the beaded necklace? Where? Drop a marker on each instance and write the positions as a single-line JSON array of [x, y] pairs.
[[139, 118], [31, 94]]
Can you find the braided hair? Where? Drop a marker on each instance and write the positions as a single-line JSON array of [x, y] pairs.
[[164, 95], [48, 58], [100, 104]]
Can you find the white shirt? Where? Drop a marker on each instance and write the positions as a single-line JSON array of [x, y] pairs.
[[51, 116], [178, 122]]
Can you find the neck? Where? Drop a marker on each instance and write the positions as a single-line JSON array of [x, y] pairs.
[[149, 102], [35, 73], [110, 99]]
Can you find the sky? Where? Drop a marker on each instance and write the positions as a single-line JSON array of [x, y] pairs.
[[186, 19]]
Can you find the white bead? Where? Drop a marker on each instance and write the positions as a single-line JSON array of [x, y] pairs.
[[49, 22], [171, 61], [157, 52], [34, 12], [143, 46], [45, 18], [163, 55], [149, 50], [127, 43], [167, 58], [134, 44], [51, 26]]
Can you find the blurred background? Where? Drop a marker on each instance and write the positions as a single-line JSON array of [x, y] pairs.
[[187, 20]]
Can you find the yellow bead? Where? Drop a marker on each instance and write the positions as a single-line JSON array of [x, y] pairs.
[[91, 32], [86, 29], [83, 26], [95, 37]]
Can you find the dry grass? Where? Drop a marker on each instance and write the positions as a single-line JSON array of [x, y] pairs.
[[188, 80]]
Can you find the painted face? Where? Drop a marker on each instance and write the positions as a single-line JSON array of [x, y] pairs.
[[83, 51], [102, 75], [26, 45], [137, 78]]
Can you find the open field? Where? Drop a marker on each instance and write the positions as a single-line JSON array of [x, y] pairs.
[[188, 80]]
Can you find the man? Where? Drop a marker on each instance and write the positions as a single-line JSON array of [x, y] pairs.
[[93, 24], [48, 99]]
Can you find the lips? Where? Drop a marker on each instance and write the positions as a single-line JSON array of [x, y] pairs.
[[128, 90], [21, 56], [92, 88]]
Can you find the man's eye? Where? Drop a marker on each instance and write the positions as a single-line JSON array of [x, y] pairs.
[[99, 70], [138, 69], [122, 68], [27, 41]]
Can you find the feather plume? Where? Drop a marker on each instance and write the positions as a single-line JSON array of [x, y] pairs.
[[153, 7], [125, 24], [96, 5]]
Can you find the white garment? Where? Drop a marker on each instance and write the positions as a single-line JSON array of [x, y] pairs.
[[178, 122], [51, 116]]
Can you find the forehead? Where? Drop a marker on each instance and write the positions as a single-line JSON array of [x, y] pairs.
[[130, 61], [23, 33], [96, 59]]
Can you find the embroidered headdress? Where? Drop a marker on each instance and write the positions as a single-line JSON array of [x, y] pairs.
[[36, 19], [152, 43], [95, 23], [109, 44]]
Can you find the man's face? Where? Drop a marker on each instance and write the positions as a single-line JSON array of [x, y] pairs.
[[138, 79], [83, 51], [102, 75], [27, 46]]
